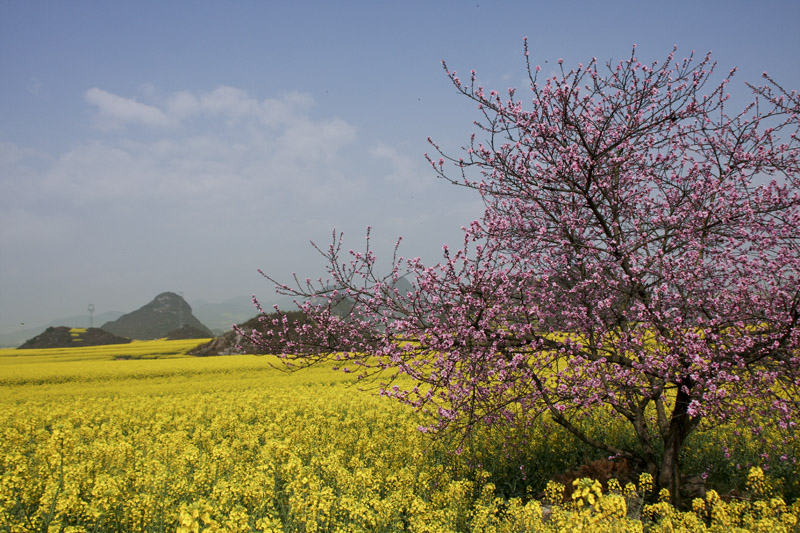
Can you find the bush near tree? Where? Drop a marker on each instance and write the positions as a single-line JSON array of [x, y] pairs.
[[637, 258]]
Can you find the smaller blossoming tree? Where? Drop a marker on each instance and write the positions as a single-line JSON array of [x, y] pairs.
[[638, 257]]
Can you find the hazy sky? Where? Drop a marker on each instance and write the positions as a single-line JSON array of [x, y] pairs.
[[154, 146]]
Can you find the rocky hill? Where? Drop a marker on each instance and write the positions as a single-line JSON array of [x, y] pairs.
[[166, 313], [65, 337], [227, 344]]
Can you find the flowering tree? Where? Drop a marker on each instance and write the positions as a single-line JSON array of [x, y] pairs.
[[638, 258]]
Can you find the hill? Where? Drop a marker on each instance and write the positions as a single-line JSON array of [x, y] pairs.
[[166, 313], [227, 344], [66, 337]]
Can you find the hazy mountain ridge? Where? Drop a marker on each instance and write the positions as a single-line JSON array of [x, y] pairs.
[[218, 317]]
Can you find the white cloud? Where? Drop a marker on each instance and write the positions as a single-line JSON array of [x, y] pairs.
[[230, 102], [234, 106], [116, 111], [12, 154], [227, 156], [306, 140], [95, 172], [230, 168], [182, 104], [225, 148], [403, 170]]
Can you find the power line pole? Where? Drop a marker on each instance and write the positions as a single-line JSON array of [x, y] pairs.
[[91, 315]]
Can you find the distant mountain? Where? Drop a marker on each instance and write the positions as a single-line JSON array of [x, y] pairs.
[[232, 342], [66, 337], [228, 343], [221, 316], [17, 337], [166, 313], [216, 317]]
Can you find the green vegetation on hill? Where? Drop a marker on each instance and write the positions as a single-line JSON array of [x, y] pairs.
[[65, 337]]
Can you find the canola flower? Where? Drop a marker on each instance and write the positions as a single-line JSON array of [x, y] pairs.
[[92, 442]]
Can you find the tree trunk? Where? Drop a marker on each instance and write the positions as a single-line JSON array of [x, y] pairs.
[[681, 424], [669, 471]]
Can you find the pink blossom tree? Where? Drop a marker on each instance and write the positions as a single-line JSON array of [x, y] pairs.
[[638, 258]]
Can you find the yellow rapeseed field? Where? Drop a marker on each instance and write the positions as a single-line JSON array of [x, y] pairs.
[[140, 437]]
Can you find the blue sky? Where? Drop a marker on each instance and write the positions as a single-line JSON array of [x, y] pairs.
[[154, 146]]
